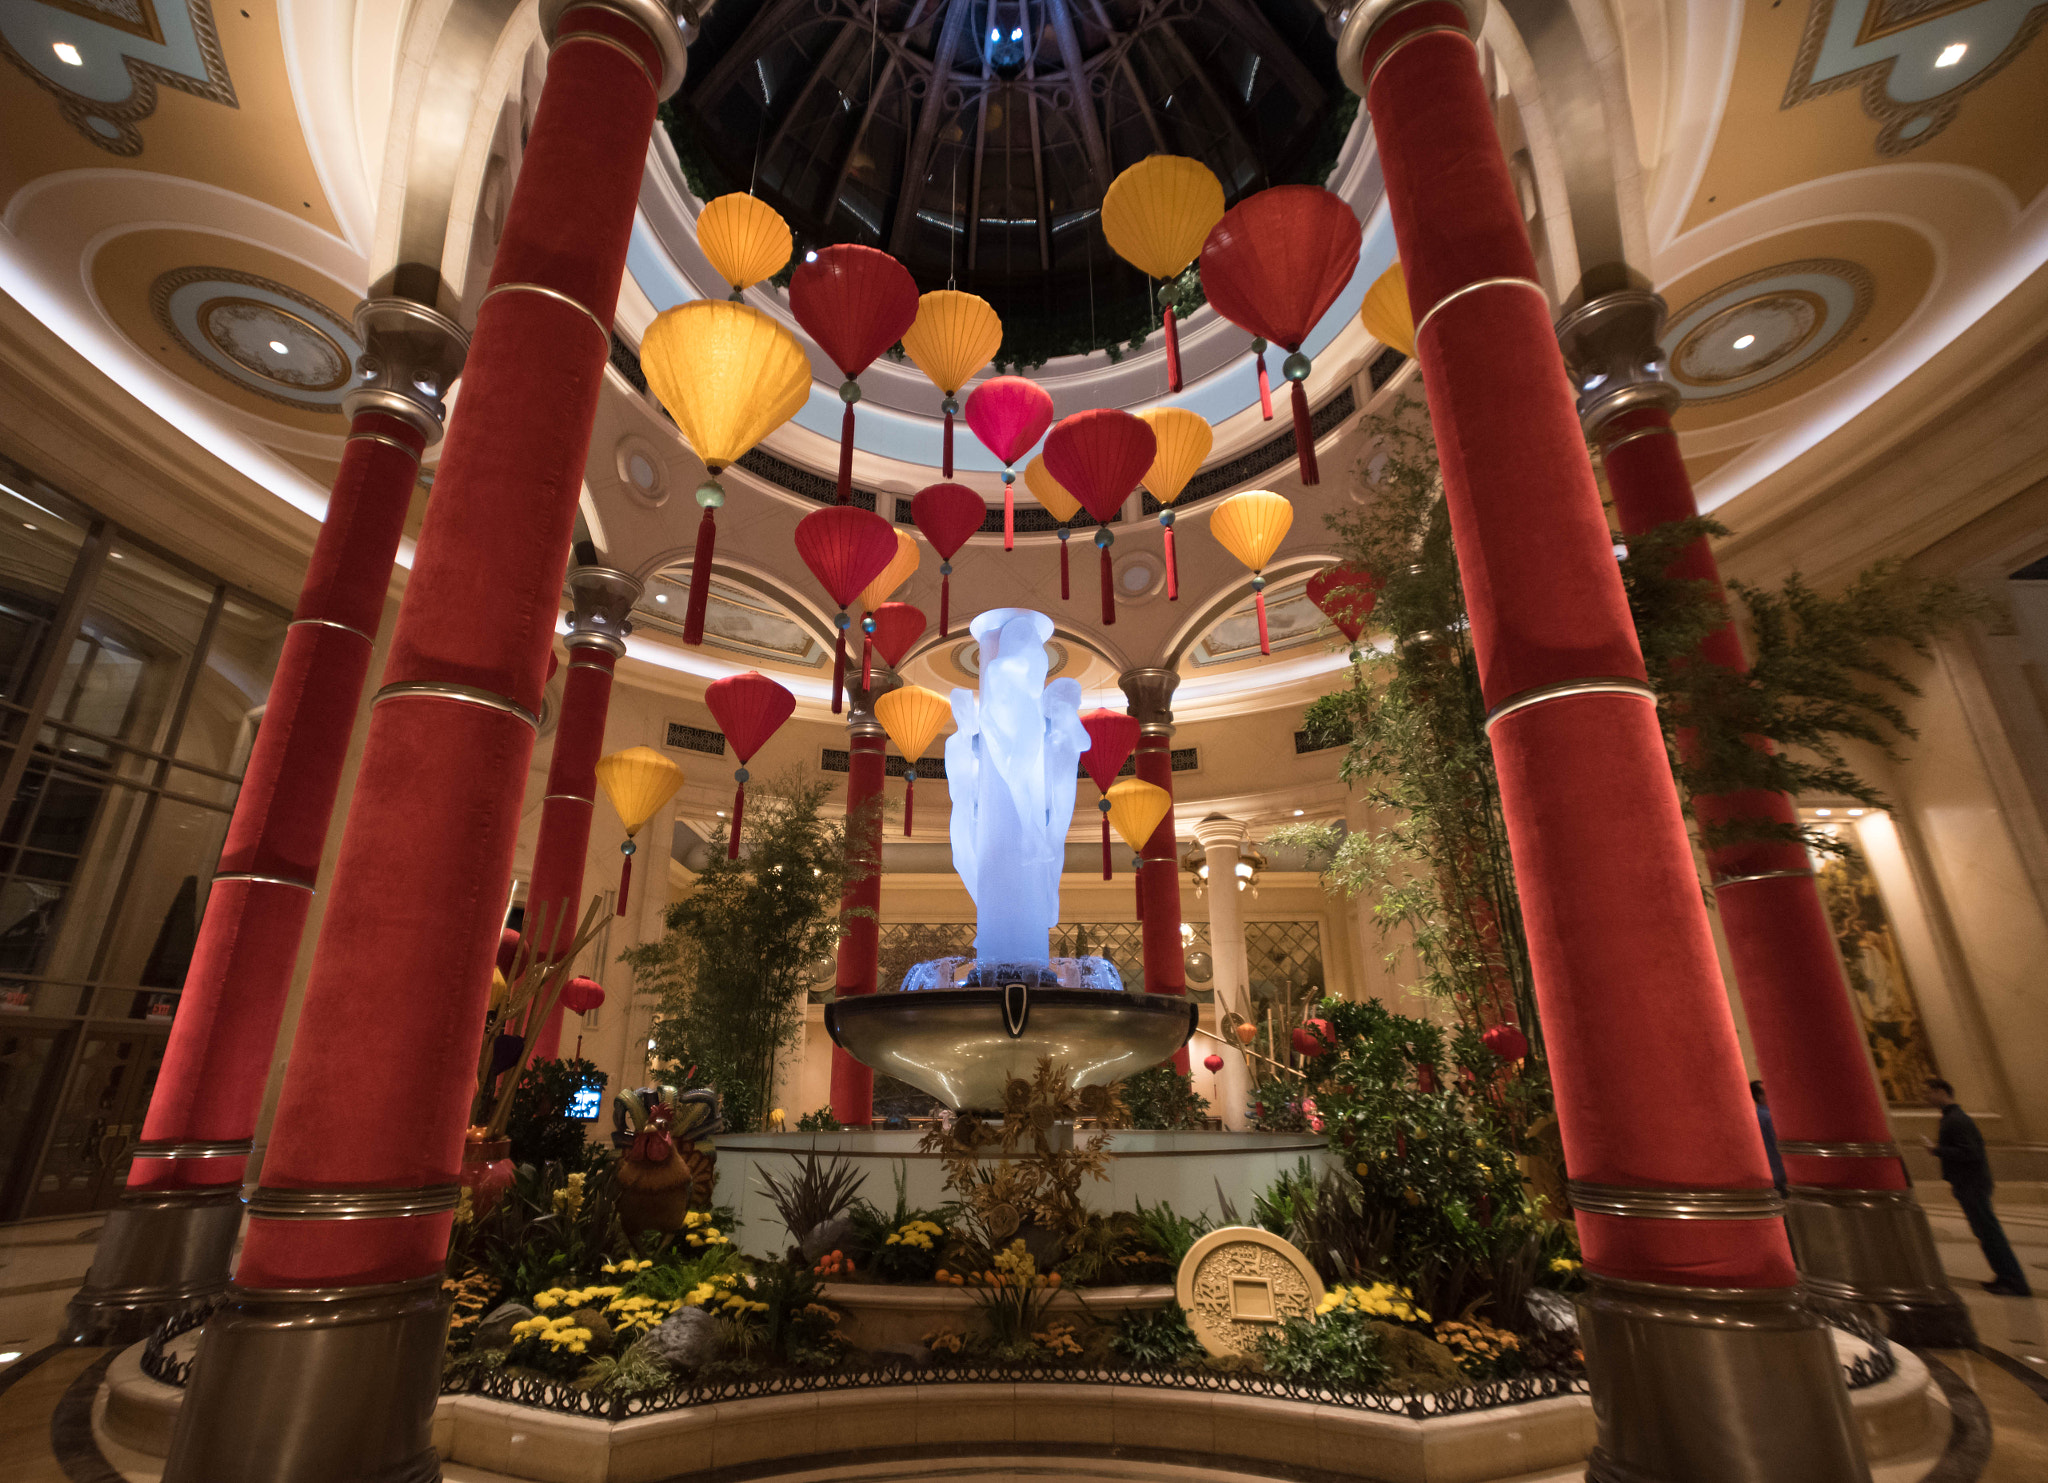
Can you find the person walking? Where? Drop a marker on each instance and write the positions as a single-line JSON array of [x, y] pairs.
[[1770, 1132], [1967, 1168]]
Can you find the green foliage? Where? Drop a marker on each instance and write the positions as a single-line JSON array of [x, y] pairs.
[[553, 1227], [674, 1277], [815, 1193], [1162, 1098], [1341, 1347], [635, 1372], [541, 1129], [905, 1258], [820, 1121], [1168, 1232], [732, 968], [1160, 1336]]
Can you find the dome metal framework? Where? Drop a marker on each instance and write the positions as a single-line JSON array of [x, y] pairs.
[[973, 139]]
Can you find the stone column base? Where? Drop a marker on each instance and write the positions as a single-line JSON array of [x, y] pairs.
[[307, 1385], [159, 1253], [1714, 1385], [1873, 1246]]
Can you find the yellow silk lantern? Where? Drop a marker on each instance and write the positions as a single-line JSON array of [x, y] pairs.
[[955, 335], [1385, 312], [744, 238], [636, 782], [913, 716], [1250, 526], [729, 375], [902, 566], [1156, 215], [499, 989], [1135, 809], [1183, 439], [1061, 505]]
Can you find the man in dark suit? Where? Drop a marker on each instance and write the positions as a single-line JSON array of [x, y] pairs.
[[1967, 1169]]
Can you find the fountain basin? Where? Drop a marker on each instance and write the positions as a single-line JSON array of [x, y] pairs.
[[961, 1045]]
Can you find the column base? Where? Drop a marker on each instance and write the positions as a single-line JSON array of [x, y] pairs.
[[159, 1253], [306, 1385], [1873, 1246], [1714, 1385]]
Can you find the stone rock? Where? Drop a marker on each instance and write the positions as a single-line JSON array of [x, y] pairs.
[[1553, 1310], [495, 1332], [1415, 1362], [600, 1328], [835, 1234], [888, 1358], [686, 1340]]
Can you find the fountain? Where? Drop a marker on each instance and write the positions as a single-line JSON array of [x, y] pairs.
[[958, 1028]]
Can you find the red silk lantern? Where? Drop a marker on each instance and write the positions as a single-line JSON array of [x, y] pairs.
[[1100, 457], [1345, 596], [581, 995], [947, 514], [1112, 737], [509, 943], [855, 302], [749, 709], [1273, 266], [895, 627], [1505, 1041], [1009, 415], [1213, 1061], [1312, 1039], [846, 548]]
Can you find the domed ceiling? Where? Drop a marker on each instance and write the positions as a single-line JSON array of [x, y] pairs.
[[973, 139]]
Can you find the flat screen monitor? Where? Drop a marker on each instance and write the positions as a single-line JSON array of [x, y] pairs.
[[586, 1103]]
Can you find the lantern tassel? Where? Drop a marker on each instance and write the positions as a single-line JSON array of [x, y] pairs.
[[946, 462], [1108, 591], [838, 670], [700, 580], [867, 663], [1009, 516], [1138, 885], [909, 796], [1265, 390], [1172, 571], [945, 601], [1172, 352], [739, 812], [1066, 589], [1304, 437], [1107, 873], [846, 456], [625, 880], [1259, 600]]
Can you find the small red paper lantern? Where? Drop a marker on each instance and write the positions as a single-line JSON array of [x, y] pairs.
[[581, 995], [846, 548], [1247, 1033], [1112, 737], [947, 514], [894, 627], [1505, 1041], [509, 943], [1312, 1039], [1100, 457], [1213, 1061], [1346, 597], [855, 302], [1009, 415], [1273, 266], [749, 709]]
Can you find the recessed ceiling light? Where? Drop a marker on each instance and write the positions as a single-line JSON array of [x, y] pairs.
[[1824, 812], [1745, 342], [1297, 813], [26, 526], [721, 813], [810, 257], [119, 555], [10, 1357], [280, 347], [1951, 54], [1855, 813], [68, 54], [661, 597]]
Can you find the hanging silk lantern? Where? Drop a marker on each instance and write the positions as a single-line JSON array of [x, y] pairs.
[[1156, 215], [893, 628], [1273, 265], [581, 995], [1385, 312], [1058, 503], [1184, 439], [846, 548], [749, 709], [1135, 808], [902, 566], [509, 943], [745, 239], [1345, 596], [1100, 456], [913, 716], [500, 990], [1009, 415], [729, 375], [855, 302], [1313, 1039], [955, 335], [947, 514], [637, 781], [1112, 737], [1250, 526], [1213, 1062], [1505, 1041]]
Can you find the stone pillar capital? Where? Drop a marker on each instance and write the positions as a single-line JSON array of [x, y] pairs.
[[1219, 833], [411, 357], [1148, 694], [1613, 358], [860, 700], [1353, 22], [672, 24], [600, 608]]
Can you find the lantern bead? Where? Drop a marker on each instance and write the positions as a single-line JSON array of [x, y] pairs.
[[841, 620], [629, 848], [867, 623], [710, 495], [950, 406], [1064, 533], [945, 568], [1009, 477], [1166, 518], [1259, 583], [1295, 367], [740, 774], [849, 390], [1104, 536], [1103, 804], [1258, 344]]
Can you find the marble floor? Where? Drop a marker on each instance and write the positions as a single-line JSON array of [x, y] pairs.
[[1999, 1394]]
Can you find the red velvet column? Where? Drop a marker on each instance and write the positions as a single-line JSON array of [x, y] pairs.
[[1809, 1046], [383, 1065], [853, 1084], [1651, 1091], [1159, 885], [564, 843]]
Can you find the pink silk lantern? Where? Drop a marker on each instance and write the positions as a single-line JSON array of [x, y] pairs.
[[846, 548], [1009, 415], [1112, 737], [749, 709], [1100, 457], [855, 302], [947, 514]]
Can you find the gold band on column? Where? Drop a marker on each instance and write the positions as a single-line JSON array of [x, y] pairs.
[[1806, 1149], [1593, 685], [1675, 1204], [328, 623], [1472, 288], [616, 45], [229, 1148], [1761, 875], [390, 442], [466, 694], [1630, 436], [264, 880], [549, 293], [352, 1204], [568, 798], [1388, 56]]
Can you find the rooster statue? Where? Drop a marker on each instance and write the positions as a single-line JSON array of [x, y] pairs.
[[670, 1159]]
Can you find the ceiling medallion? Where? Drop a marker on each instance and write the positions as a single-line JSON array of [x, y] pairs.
[[265, 336], [1764, 326], [1291, 620], [967, 657], [125, 50]]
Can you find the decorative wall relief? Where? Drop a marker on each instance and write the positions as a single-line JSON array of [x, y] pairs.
[[1884, 996]]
